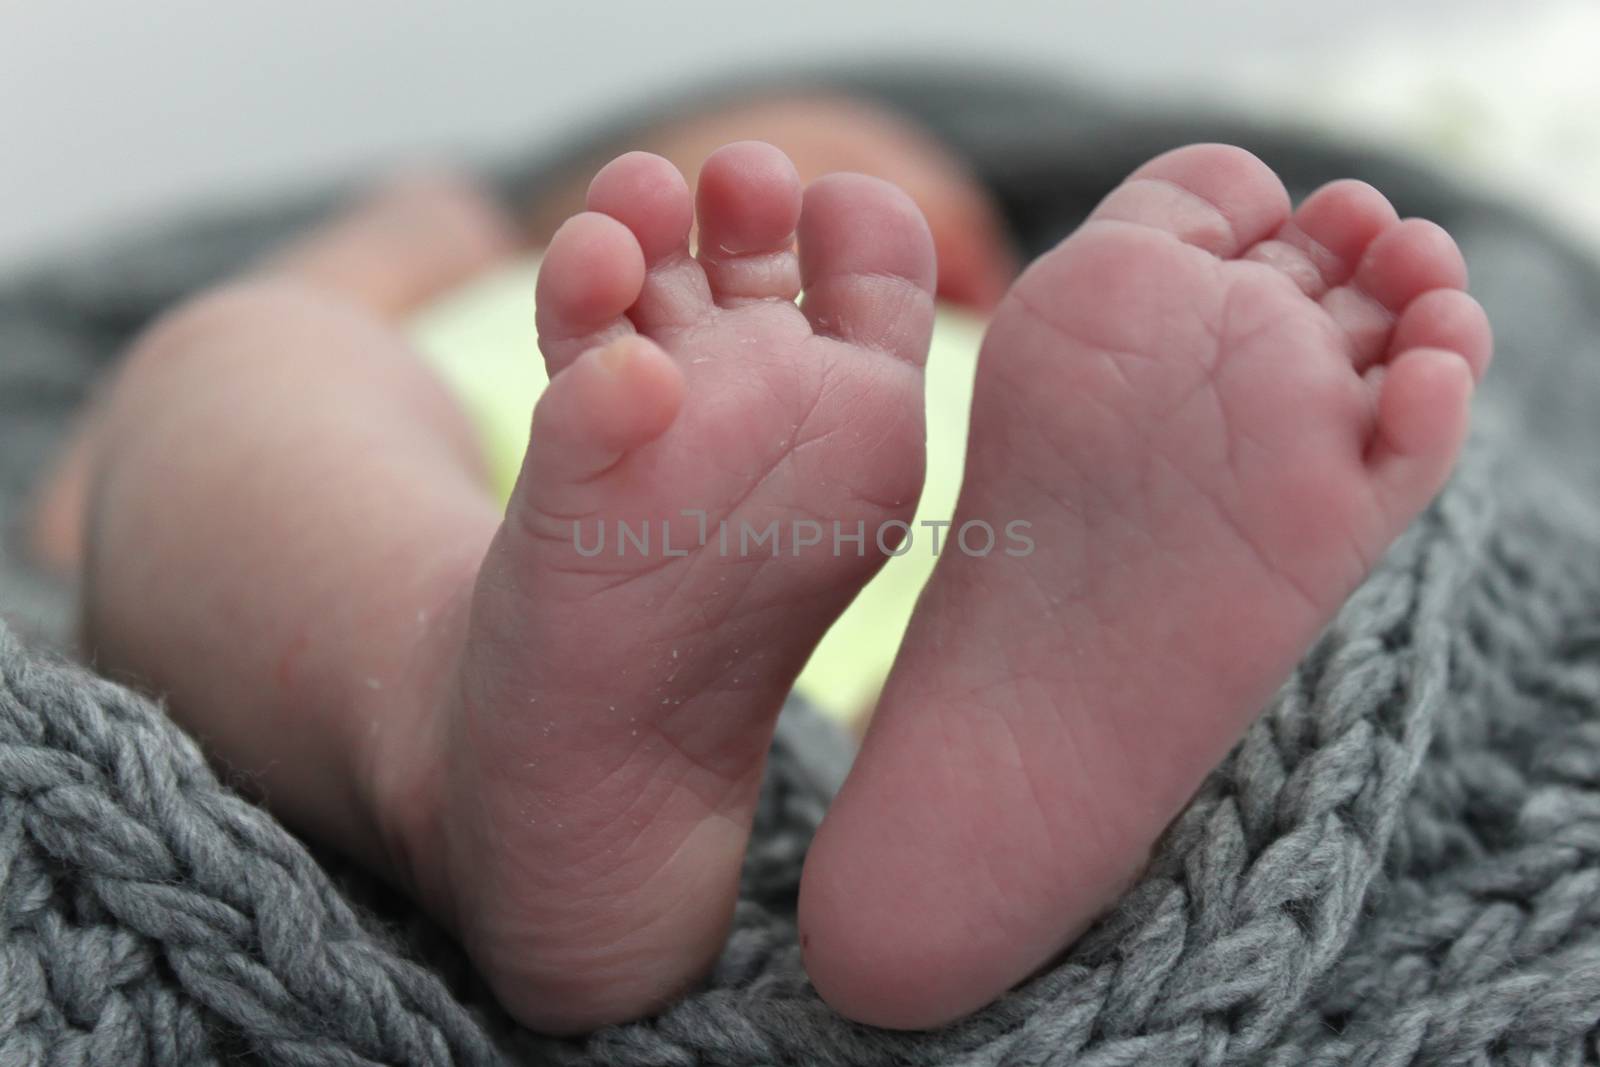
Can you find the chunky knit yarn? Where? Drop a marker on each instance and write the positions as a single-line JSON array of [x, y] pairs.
[[1398, 865]]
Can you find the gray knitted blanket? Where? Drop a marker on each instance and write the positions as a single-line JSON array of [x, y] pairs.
[[1400, 864]]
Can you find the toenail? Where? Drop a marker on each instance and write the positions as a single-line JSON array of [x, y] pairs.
[[615, 356]]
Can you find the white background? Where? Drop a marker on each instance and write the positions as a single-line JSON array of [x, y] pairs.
[[117, 111]]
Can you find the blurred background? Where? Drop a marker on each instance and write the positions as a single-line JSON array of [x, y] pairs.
[[116, 113]]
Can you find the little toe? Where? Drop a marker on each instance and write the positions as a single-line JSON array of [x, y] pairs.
[[613, 399], [592, 274], [649, 196], [1449, 319], [748, 203], [1423, 402], [867, 264], [1322, 244], [1216, 197]]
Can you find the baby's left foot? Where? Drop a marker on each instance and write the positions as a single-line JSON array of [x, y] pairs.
[[1215, 416], [672, 552]]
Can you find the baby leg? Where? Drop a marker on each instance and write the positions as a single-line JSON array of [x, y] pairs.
[[274, 475]]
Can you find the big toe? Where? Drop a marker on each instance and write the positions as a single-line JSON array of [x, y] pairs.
[[867, 263], [1216, 197]]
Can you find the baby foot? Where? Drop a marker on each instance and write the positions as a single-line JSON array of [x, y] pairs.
[[635, 627], [1216, 416]]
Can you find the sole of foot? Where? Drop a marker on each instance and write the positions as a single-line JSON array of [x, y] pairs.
[[582, 812], [1215, 414]]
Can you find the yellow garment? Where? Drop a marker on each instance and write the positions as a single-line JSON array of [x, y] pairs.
[[482, 340]]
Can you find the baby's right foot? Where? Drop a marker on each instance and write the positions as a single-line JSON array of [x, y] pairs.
[[1216, 415], [581, 808]]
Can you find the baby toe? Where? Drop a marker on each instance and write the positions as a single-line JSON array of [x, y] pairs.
[[748, 203], [1449, 319], [1423, 400], [867, 264], [648, 195], [592, 273], [1408, 259], [614, 399], [1322, 244], [1216, 197]]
